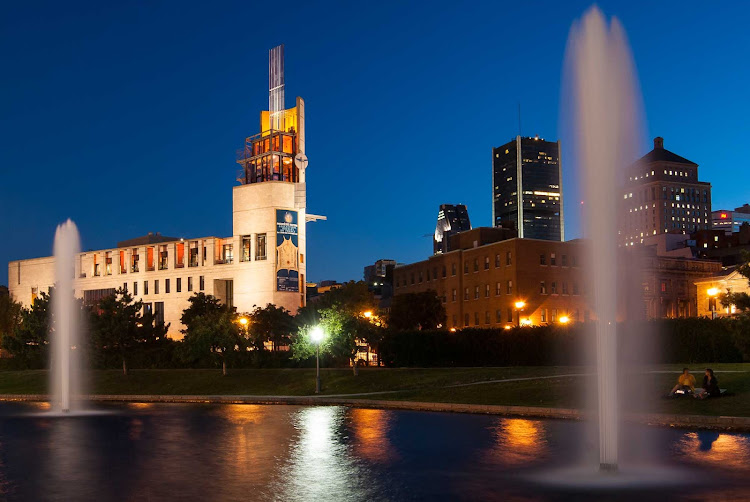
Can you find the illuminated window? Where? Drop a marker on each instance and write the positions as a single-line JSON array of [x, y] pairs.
[[245, 244], [487, 291], [201, 283], [260, 247], [190, 284]]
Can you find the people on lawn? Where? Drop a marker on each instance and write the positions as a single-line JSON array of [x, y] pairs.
[[710, 385], [685, 383]]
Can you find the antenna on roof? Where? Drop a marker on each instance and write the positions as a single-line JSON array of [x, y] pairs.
[[519, 118]]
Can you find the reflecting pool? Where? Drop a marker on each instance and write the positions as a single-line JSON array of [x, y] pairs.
[[143, 451]]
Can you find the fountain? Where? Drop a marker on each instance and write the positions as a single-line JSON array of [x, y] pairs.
[[65, 373]]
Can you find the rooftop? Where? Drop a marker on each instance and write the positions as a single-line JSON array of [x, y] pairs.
[[660, 154], [150, 238]]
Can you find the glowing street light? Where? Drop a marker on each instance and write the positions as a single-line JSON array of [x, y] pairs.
[[368, 314], [520, 304], [564, 319], [243, 321], [316, 335], [713, 291]]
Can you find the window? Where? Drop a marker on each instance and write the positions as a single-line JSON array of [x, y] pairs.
[[466, 294], [444, 272], [486, 262], [487, 317], [564, 260], [428, 275], [125, 286], [201, 283], [476, 265], [453, 296], [159, 313], [476, 292], [466, 267], [134, 260], [543, 315], [246, 246], [476, 318], [487, 291], [453, 269], [163, 256], [147, 309], [193, 254], [145, 287], [227, 253], [108, 263], [97, 271], [663, 287], [552, 260], [509, 288], [553, 288], [575, 288], [510, 314], [434, 273], [166, 286], [190, 284], [156, 287], [466, 319], [575, 261], [542, 288], [420, 276], [498, 315], [553, 316], [508, 258], [542, 259], [178, 286], [497, 288], [497, 260], [260, 247], [565, 288], [135, 289], [180, 255], [149, 258], [412, 277]]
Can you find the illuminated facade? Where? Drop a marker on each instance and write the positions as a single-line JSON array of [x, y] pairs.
[[527, 188], [731, 221], [488, 272], [451, 220], [262, 262], [662, 195]]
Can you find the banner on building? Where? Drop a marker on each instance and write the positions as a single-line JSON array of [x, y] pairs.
[[287, 251]]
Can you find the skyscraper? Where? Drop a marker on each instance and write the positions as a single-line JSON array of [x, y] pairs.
[[527, 188], [451, 220], [661, 195]]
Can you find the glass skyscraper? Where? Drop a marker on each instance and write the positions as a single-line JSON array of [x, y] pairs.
[[527, 188]]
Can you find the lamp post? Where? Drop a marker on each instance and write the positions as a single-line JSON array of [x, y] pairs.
[[712, 292], [316, 335], [520, 304]]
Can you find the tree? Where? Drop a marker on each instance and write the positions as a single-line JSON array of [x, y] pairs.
[[201, 304], [30, 338], [344, 332], [117, 324], [741, 301], [10, 316], [214, 334], [416, 311], [271, 324]]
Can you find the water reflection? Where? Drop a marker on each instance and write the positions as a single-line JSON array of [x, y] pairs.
[[716, 449], [518, 441], [320, 463], [370, 429]]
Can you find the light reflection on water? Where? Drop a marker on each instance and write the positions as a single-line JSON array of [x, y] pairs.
[[253, 452]]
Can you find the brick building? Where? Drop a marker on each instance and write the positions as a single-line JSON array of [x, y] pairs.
[[490, 270]]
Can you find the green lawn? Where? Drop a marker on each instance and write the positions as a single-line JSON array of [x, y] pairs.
[[414, 384]]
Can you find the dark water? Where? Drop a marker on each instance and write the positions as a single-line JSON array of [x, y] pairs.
[[150, 452]]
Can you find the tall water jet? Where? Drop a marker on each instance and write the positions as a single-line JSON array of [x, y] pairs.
[[65, 377], [606, 117]]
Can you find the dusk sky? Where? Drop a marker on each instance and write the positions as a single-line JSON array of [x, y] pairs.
[[126, 118]]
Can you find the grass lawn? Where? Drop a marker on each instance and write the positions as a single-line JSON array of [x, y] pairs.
[[413, 384]]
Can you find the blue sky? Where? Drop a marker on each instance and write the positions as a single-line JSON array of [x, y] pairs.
[[126, 117]]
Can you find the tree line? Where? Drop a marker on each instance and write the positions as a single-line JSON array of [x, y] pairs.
[[118, 332]]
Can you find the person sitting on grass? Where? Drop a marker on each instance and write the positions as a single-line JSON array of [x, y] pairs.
[[685, 383], [710, 385]]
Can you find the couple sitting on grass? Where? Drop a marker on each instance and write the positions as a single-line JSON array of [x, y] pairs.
[[686, 385]]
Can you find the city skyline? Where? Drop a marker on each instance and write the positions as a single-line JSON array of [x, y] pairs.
[[163, 148]]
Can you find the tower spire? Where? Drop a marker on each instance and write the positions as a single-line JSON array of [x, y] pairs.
[[276, 86]]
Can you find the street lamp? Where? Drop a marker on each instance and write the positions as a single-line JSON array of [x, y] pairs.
[[564, 319], [243, 321], [520, 304], [368, 314], [316, 335], [712, 292]]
